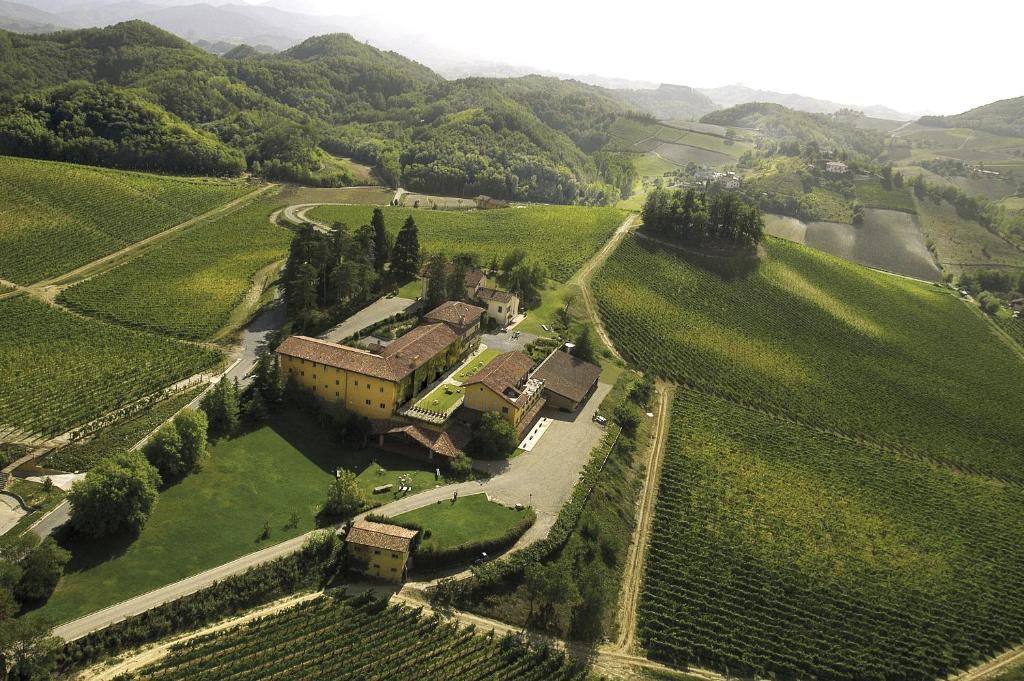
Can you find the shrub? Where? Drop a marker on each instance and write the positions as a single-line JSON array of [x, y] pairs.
[[493, 437]]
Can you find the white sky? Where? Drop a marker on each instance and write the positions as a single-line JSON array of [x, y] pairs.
[[912, 56]]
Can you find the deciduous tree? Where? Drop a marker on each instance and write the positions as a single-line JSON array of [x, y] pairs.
[[115, 496]]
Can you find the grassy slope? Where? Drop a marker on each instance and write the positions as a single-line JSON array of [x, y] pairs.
[[827, 342], [470, 518], [773, 542], [59, 370], [560, 237], [872, 195], [963, 244], [189, 285], [58, 216], [216, 515]]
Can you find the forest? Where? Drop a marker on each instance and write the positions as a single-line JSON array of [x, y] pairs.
[[697, 217], [134, 96]]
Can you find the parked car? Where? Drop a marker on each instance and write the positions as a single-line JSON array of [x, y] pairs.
[[600, 420]]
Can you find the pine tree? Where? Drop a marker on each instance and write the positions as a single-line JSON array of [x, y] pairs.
[[436, 281], [585, 346], [406, 256]]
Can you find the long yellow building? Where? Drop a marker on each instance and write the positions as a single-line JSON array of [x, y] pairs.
[[376, 384]]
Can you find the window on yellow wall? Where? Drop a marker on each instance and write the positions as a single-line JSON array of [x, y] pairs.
[[382, 388], [504, 410], [367, 402], [337, 394], [382, 406], [337, 383]]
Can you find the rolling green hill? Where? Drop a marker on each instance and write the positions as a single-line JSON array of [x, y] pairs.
[[1005, 117], [58, 216], [528, 138]]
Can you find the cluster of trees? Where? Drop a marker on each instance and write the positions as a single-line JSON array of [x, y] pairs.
[[977, 208], [525, 138], [179, 446], [340, 270], [115, 497], [99, 125], [702, 218], [493, 437], [993, 287]]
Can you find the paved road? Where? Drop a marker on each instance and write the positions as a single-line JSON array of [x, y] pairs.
[[505, 342], [546, 477], [254, 339], [371, 314]]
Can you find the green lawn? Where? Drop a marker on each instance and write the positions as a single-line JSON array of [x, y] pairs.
[[412, 290], [471, 518], [476, 364], [441, 398], [217, 515], [552, 299]]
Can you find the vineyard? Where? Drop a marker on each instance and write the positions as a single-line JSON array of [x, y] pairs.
[[359, 638], [818, 340], [780, 551], [58, 370], [189, 285], [59, 216], [561, 238]]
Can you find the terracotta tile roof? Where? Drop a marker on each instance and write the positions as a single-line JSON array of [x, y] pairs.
[[395, 362], [503, 374], [498, 296], [567, 376], [457, 314], [380, 536], [447, 444], [474, 277], [340, 356]]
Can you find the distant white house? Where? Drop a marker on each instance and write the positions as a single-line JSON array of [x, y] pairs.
[[836, 167]]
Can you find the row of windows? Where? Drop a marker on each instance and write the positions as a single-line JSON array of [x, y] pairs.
[[376, 552], [369, 384]]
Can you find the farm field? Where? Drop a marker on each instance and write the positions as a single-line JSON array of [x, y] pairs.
[[372, 196], [470, 518], [963, 244], [816, 339], [59, 216], [628, 134], [561, 238], [681, 154], [189, 285], [872, 195], [340, 637], [413, 200], [887, 240], [780, 549], [218, 514], [59, 371], [120, 436]]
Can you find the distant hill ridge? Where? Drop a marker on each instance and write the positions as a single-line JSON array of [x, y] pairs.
[[1004, 117]]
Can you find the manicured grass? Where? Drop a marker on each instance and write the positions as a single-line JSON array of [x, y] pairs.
[[471, 518], [441, 398], [216, 515], [552, 299], [411, 290], [476, 364]]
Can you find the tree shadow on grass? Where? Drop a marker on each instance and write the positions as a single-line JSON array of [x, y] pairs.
[[88, 552], [727, 265]]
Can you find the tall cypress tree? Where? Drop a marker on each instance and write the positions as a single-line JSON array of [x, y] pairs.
[[405, 256], [381, 241]]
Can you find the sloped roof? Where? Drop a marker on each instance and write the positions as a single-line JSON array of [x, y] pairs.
[[503, 374], [494, 294], [455, 313], [380, 536], [567, 376], [447, 443], [395, 362]]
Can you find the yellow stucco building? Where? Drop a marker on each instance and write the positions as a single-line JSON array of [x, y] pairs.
[[379, 550], [504, 386]]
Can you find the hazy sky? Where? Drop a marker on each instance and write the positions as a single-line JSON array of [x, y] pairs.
[[913, 56]]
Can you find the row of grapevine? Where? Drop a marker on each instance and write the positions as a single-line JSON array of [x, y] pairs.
[[561, 238], [777, 549], [190, 284], [824, 342], [59, 216], [358, 638], [58, 370]]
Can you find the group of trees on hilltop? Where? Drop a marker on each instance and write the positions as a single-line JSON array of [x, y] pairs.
[[339, 269], [139, 97], [697, 217]]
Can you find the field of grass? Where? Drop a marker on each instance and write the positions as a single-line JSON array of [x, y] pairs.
[[58, 370], [358, 638], [552, 299], [560, 237], [218, 514], [470, 518], [190, 284], [817, 339], [872, 195], [370, 196], [119, 436], [58, 216], [782, 549], [963, 244]]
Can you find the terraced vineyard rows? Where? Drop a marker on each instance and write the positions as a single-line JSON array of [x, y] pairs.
[[58, 216], [560, 237], [1014, 327], [356, 638], [58, 371], [816, 339], [777, 549], [189, 285]]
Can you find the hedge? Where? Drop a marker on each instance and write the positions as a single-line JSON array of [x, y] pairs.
[[310, 567], [427, 558]]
